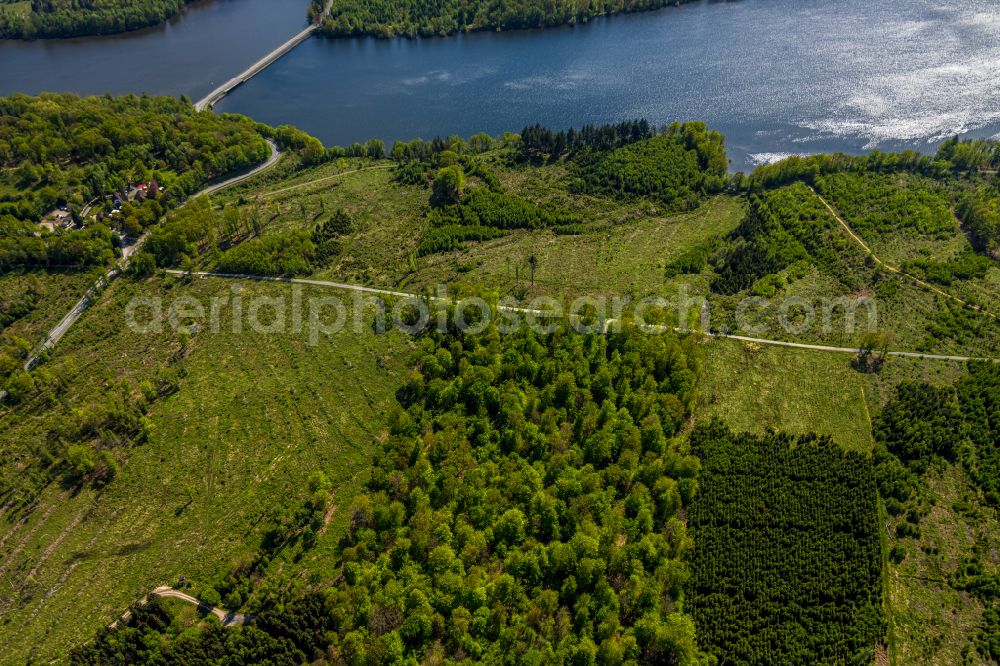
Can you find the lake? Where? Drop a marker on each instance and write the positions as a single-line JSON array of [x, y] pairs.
[[777, 76], [189, 55]]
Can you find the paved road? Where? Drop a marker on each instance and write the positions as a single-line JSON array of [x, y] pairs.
[[271, 161], [55, 335], [403, 294]]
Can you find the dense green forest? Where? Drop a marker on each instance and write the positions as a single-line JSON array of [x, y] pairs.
[[388, 18], [63, 150], [782, 228], [22, 247], [292, 253], [676, 167], [236, 242], [527, 505], [880, 203], [538, 142], [980, 212], [787, 563], [481, 214], [953, 156], [74, 18], [555, 498], [959, 423]]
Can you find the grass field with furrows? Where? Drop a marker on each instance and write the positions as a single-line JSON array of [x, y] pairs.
[[140, 458], [625, 259], [625, 252], [56, 294], [756, 388], [254, 416], [624, 248]]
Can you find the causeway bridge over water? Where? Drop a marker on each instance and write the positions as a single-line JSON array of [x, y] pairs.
[[214, 97]]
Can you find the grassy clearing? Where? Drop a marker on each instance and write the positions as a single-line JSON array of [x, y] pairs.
[[756, 388], [388, 216], [16, 9], [546, 185], [881, 386], [985, 290], [895, 248], [917, 198], [254, 416], [616, 259], [931, 621], [625, 254]]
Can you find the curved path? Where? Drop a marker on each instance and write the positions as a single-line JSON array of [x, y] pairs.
[[228, 618], [895, 269], [307, 183], [270, 162], [55, 335], [743, 338]]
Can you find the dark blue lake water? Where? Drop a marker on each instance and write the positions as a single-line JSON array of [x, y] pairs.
[[189, 55], [777, 76]]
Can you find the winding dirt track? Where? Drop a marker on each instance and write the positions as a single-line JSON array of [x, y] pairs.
[[228, 618], [895, 269], [307, 183]]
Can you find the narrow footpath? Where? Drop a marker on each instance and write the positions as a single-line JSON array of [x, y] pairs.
[[895, 269]]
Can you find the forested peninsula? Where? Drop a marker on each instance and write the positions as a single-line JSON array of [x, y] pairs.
[[37, 19], [410, 18], [78, 18]]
